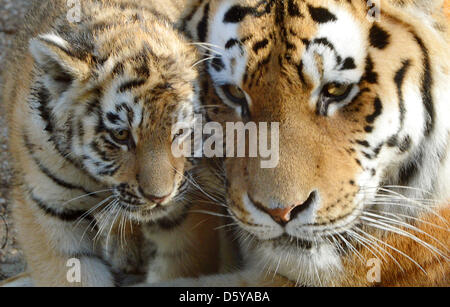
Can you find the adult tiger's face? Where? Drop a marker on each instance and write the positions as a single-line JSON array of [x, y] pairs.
[[115, 106], [356, 105]]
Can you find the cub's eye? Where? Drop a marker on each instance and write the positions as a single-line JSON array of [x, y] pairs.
[[121, 136], [337, 91], [236, 96]]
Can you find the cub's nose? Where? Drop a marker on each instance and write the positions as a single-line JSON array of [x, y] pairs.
[[284, 215], [153, 198]]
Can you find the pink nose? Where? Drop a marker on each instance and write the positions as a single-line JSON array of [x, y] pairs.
[[282, 215], [155, 199]]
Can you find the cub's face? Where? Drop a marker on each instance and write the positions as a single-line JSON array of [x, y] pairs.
[[117, 105], [353, 108]]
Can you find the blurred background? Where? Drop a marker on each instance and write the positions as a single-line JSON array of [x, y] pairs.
[[11, 262]]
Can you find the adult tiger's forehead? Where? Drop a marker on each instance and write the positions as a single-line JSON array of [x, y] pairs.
[[261, 36]]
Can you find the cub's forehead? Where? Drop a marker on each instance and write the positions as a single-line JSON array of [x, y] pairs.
[[133, 103], [244, 33]]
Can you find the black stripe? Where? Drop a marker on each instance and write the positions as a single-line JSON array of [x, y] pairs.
[[118, 69], [363, 143], [202, 27], [378, 37], [411, 168], [370, 75], [109, 170], [130, 85], [279, 15], [218, 64], [260, 45], [321, 15], [112, 117], [66, 215], [377, 112], [293, 9], [231, 43], [427, 84], [47, 172], [399, 79], [237, 13], [43, 98], [324, 41], [349, 63]]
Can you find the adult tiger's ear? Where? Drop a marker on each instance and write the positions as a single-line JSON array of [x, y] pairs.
[[60, 63]]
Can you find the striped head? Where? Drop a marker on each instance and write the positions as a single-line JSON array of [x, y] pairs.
[[361, 106], [111, 88]]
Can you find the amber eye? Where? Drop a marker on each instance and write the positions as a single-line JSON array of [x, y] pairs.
[[121, 136], [337, 90]]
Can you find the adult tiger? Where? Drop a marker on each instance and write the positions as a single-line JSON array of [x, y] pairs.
[[91, 98], [364, 161]]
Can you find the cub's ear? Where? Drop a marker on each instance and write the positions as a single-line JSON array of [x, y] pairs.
[[58, 60]]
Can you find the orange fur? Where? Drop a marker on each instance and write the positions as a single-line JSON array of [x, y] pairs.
[[437, 268]]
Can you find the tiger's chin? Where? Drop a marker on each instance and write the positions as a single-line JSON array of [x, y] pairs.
[[309, 255], [306, 263], [143, 210], [150, 212]]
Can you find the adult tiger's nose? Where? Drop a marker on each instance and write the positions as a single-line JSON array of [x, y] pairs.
[[281, 215], [284, 215]]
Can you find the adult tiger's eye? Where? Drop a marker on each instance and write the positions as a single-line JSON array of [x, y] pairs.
[[337, 89], [121, 136]]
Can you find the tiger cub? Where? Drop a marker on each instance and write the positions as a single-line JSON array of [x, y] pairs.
[[91, 97]]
